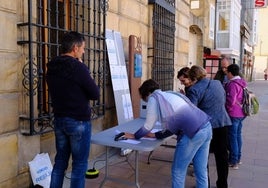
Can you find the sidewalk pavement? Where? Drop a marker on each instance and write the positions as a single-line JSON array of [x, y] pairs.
[[252, 173]]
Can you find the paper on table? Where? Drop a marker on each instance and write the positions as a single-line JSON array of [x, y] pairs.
[[117, 131], [147, 138], [130, 141], [156, 130]]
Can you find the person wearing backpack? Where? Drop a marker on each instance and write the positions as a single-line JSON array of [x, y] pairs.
[[234, 98]]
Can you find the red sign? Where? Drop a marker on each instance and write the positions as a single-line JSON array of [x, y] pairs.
[[260, 3]]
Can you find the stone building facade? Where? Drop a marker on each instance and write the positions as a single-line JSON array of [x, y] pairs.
[[129, 17]]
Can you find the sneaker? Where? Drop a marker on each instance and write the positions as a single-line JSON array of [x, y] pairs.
[[240, 162], [234, 166]]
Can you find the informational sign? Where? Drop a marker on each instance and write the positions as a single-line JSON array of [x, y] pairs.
[[137, 65], [119, 76]]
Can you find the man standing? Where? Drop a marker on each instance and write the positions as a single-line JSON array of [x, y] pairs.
[[221, 74], [71, 87]]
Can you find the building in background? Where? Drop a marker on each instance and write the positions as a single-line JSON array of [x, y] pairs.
[[248, 38], [227, 39], [261, 49], [201, 29], [234, 36]]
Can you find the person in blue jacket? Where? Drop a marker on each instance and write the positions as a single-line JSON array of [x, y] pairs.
[[71, 87], [209, 96], [180, 117]]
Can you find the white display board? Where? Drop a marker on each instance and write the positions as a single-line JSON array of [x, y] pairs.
[[119, 76]]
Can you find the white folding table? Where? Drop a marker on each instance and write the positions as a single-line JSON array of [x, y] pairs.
[[106, 138]]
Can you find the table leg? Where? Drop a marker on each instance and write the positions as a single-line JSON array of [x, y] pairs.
[[106, 177], [137, 169]]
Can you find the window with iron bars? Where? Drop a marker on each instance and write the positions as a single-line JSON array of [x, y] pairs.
[[39, 38], [163, 43]]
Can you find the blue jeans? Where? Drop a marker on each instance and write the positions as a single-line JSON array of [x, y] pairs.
[[235, 140], [196, 150], [72, 139]]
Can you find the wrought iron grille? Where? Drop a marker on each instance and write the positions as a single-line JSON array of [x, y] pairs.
[[163, 43], [39, 38]]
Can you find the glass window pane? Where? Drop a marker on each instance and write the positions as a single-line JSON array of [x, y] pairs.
[[224, 21]]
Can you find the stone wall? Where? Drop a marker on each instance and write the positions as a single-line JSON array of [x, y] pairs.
[[9, 95]]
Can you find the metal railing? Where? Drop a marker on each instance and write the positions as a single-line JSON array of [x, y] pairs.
[[163, 43], [39, 41]]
